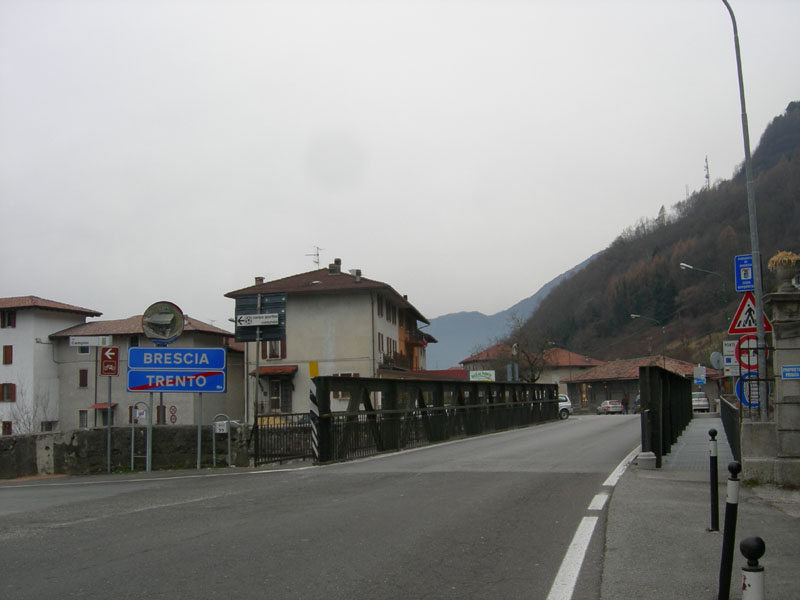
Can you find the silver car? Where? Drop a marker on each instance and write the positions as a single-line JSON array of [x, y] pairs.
[[610, 407], [700, 402], [564, 406]]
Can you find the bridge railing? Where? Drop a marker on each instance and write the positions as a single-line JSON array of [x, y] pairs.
[[666, 400], [417, 412]]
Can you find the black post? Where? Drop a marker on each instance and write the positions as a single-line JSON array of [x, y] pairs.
[[729, 533], [714, 474], [752, 549]]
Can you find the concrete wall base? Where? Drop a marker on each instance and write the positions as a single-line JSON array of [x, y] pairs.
[[646, 460]]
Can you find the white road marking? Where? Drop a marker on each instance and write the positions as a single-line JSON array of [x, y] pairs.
[[567, 575], [598, 502]]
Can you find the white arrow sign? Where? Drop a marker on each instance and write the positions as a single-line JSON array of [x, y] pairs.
[[258, 320]]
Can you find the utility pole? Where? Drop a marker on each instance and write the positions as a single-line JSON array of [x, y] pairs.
[[708, 176]]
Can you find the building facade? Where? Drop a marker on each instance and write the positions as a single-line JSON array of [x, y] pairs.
[[29, 378], [336, 323], [85, 390]]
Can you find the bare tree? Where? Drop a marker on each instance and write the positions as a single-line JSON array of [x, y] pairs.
[[28, 413]]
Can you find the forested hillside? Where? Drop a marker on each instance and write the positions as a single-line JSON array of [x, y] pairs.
[[639, 273]]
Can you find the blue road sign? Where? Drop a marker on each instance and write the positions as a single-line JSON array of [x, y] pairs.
[[790, 372], [184, 380], [743, 271], [177, 358], [177, 370]]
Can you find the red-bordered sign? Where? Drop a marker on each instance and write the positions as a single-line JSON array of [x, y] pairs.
[[746, 352], [744, 321]]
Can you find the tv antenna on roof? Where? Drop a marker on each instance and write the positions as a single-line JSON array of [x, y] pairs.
[[315, 254]]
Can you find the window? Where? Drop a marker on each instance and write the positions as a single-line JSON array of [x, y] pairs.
[[380, 342], [83, 419], [389, 308], [49, 426], [380, 305], [8, 318], [83, 349], [9, 392], [83, 378], [133, 341], [275, 395], [104, 416], [7, 429], [8, 355], [273, 349]]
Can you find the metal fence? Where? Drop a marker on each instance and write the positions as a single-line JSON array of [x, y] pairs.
[[666, 400], [412, 413]]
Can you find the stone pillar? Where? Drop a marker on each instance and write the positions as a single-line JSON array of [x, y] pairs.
[[784, 308]]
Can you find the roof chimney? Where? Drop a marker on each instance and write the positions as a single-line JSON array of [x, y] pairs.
[[357, 274], [259, 280], [335, 266]]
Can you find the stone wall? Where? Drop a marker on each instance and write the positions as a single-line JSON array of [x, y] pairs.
[[84, 451]]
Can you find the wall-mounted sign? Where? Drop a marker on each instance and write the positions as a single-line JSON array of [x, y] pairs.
[[481, 376], [90, 340]]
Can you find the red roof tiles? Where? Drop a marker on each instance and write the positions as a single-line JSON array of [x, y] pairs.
[[23, 302]]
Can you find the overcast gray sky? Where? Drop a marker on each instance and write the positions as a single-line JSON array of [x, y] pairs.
[[465, 152]]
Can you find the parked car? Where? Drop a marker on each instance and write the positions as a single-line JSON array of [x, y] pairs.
[[564, 406], [700, 402], [609, 406]]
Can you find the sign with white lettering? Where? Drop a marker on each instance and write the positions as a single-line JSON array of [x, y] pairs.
[[176, 370], [743, 273], [790, 372], [258, 320]]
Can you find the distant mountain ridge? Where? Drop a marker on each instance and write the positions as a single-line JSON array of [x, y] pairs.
[[461, 334]]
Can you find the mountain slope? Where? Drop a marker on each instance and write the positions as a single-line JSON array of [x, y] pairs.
[[462, 334], [639, 273]]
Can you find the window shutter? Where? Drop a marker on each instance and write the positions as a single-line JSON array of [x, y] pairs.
[[8, 355], [283, 348], [83, 378]]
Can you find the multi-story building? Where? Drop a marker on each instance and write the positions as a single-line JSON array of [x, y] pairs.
[[29, 375], [85, 390], [335, 324]]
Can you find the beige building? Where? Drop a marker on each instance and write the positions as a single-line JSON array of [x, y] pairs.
[[335, 324], [84, 389]]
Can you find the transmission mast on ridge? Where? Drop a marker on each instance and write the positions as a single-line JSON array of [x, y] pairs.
[[708, 176], [315, 254]]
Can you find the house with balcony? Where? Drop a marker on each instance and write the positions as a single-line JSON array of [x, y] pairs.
[[29, 379], [336, 323]]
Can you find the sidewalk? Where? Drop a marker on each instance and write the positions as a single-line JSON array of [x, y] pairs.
[[657, 543]]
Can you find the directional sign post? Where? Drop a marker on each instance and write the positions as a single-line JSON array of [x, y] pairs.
[[109, 361], [258, 320]]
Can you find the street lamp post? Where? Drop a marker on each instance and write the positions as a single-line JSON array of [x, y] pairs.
[[657, 322], [754, 244], [724, 289]]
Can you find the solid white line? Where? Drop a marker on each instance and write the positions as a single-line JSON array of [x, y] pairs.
[[598, 502], [567, 575], [617, 473]]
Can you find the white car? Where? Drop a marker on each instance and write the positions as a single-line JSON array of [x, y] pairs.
[[700, 402], [564, 406]]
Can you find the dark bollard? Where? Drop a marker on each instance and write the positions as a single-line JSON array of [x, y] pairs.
[[714, 474], [729, 533], [752, 549]]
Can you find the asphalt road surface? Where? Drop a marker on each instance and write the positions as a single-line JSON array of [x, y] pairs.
[[486, 517]]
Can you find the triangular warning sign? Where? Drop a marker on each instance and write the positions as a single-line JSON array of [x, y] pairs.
[[744, 321]]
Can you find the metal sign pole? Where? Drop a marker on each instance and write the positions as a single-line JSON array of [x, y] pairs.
[[200, 429], [150, 434], [108, 437]]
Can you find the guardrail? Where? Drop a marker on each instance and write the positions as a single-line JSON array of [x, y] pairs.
[[666, 400]]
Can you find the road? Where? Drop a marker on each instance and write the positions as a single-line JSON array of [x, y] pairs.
[[486, 517]]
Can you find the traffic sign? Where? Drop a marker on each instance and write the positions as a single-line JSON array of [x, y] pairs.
[[109, 361], [258, 320], [747, 390], [744, 321], [743, 270], [176, 370], [183, 380], [176, 358]]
